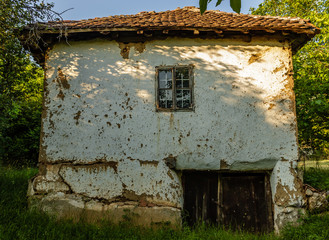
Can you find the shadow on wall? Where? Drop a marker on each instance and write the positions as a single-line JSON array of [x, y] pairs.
[[244, 105]]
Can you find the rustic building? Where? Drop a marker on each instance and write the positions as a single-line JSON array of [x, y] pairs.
[[157, 115]]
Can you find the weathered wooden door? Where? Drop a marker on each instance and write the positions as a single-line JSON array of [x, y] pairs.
[[238, 200], [200, 197], [245, 204]]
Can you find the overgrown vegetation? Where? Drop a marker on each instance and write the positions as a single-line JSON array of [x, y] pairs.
[[17, 222]]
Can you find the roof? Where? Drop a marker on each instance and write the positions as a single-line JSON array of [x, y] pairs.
[[190, 18], [182, 22]]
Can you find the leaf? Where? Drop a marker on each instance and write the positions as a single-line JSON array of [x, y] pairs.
[[203, 5], [218, 2], [318, 102], [236, 5]]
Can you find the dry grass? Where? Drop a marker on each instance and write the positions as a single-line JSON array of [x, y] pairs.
[[323, 164]]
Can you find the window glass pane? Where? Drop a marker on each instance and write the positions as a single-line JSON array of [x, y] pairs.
[[165, 84], [165, 74], [179, 98], [186, 98], [183, 98], [182, 73], [179, 83], [186, 83], [165, 104], [165, 79], [165, 98]]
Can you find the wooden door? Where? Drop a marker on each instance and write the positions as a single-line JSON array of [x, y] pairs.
[[244, 203], [241, 201], [200, 197]]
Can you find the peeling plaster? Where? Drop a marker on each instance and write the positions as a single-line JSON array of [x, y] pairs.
[[125, 48], [103, 140]]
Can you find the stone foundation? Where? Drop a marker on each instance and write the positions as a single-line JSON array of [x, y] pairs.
[[115, 193], [78, 193], [75, 207]]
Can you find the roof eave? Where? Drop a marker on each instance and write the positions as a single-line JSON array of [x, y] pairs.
[[297, 37]]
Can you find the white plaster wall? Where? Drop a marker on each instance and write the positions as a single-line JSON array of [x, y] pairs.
[[243, 111], [131, 180], [105, 113]]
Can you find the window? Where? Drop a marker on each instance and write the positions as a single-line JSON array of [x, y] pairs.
[[174, 88]]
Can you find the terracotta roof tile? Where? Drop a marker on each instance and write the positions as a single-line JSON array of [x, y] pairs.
[[189, 17]]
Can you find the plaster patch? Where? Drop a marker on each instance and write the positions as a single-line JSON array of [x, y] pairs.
[[288, 196], [125, 48], [254, 58], [263, 164], [95, 181], [62, 79]]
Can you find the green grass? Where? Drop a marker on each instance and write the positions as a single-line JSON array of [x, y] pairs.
[[323, 164], [317, 177], [17, 222], [315, 227]]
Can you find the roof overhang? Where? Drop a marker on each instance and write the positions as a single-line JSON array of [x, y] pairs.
[[47, 38]]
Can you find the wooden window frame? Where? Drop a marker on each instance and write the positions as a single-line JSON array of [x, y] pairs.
[[173, 89]]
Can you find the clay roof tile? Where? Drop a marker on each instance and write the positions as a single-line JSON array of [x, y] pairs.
[[190, 17]]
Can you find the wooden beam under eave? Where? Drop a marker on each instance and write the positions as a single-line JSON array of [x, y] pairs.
[[219, 33], [55, 31]]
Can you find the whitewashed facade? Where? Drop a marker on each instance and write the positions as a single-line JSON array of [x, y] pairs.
[[107, 151]]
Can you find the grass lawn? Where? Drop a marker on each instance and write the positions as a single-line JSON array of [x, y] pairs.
[[323, 164], [17, 222], [316, 173]]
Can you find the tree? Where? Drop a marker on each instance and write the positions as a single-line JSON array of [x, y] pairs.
[[235, 5], [311, 70], [20, 82]]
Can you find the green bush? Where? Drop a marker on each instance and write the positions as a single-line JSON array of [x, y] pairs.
[[20, 111]]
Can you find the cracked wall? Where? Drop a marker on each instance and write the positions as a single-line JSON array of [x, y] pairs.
[[104, 144]]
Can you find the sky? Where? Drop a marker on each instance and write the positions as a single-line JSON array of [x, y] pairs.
[[85, 9]]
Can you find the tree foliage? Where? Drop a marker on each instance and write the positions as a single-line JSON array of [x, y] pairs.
[[20, 107], [235, 5], [311, 70], [20, 83]]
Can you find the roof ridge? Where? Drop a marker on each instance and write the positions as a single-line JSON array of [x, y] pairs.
[[194, 9], [257, 16]]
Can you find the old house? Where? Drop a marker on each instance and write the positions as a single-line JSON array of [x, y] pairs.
[[157, 115]]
